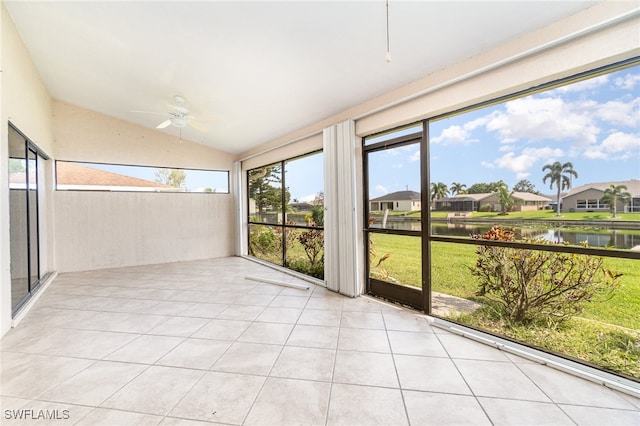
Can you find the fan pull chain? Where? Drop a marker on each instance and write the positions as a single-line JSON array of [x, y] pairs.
[[388, 56]]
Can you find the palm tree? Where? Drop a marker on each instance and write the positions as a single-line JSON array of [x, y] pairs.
[[614, 193], [560, 176], [505, 197], [457, 188], [438, 190]]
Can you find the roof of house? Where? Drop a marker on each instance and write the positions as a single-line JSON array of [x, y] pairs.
[[399, 196], [528, 196], [75, 174], [633, 187]]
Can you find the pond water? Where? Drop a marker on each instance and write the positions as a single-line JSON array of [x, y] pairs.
[[616, 238]]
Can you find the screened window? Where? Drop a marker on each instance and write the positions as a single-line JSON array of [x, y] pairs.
[[529, 226], [286, 213], [79, 176]]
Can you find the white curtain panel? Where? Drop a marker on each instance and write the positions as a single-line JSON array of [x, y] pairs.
[[341, 258]]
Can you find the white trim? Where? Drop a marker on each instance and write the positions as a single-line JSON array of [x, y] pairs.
[[24, 309], [240, 216], [296, 274]]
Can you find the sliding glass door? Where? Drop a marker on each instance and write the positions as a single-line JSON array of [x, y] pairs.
[[25, 165]]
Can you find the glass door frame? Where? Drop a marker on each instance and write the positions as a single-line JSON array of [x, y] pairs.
[[417, 298]]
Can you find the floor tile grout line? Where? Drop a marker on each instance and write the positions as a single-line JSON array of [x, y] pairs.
[[395, 368], [333, 371], [466, 382], [518, 366], [204, 373]]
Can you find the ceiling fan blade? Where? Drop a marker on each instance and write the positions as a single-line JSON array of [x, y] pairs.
[[164, 124], [198, 126]]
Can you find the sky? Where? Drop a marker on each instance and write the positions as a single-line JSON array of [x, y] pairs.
[[195, 181]]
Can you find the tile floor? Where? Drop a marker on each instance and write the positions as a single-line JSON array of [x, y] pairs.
[[195, 343]]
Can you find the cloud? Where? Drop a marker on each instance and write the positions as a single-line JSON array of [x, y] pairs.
[[620, 113], [521, 164], [459, 135], [618, 145], [627, 82], [397, 166], [451, 135], [381, 189], [415, 156], [546, 118]]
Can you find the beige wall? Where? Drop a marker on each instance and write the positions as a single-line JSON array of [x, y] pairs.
[[104, 230], [96, 230], [84, 135], [25, 102]]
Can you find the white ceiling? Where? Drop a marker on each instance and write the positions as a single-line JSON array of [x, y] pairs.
[[261, 69]]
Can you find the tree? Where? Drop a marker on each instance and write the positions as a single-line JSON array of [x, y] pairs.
[[484, 188], [560, 176], [438, 190], [171, 177], [457, 188], [265, 187], [614, 193], [525, 185], [506, 199], [318, 200]]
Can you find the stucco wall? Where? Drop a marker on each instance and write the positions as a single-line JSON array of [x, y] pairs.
[[98, 230]]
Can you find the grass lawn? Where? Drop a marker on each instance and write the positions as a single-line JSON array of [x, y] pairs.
[[607, 333]]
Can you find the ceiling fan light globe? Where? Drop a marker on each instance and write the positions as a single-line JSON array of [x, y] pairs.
[[179, 122]]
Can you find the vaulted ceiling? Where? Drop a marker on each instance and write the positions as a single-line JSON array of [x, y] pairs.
[[255, 71]]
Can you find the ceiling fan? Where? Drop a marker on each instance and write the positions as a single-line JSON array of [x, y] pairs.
[[179, 116]]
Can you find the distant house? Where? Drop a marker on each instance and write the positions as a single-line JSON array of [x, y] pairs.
[[588, 198], [460, 203], [406, 201], [524, 201]]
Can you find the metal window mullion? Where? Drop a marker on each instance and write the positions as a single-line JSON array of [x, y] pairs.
[[425, 192], [283, 208]]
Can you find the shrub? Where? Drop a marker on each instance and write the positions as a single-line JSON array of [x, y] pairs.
[[262, 240], [486, 208], [303, 266], [317, 215], [312, 242], [531, 285]]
